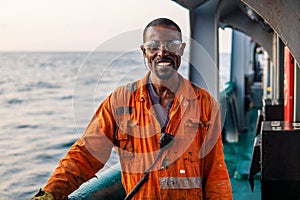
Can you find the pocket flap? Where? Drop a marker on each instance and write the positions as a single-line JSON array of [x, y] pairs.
[[194, 122], [124, 127]]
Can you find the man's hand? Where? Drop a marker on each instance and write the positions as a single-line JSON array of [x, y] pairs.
[[43, 195]]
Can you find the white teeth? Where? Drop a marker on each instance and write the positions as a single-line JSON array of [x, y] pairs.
[[163, 63]]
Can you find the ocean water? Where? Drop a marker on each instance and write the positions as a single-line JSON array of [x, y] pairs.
[[46, 101]]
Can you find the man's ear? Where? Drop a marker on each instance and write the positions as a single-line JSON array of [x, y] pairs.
[[143, 50]]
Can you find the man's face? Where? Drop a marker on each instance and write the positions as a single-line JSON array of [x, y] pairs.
[[163, 50]]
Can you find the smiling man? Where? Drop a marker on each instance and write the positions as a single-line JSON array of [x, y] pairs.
[[165, 130]]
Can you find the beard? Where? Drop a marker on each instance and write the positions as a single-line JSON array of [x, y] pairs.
[[164, 69], [164, 73]]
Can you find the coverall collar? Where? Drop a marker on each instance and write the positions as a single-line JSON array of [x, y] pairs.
[[185, 90]]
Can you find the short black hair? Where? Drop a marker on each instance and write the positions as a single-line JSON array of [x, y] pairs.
[[161, 21]]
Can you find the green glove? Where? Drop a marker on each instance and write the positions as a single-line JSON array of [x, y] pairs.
[[43, 195]]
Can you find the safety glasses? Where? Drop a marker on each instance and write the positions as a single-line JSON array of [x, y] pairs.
[[169, 45]]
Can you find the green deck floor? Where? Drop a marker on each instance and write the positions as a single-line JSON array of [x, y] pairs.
[[238, 157]]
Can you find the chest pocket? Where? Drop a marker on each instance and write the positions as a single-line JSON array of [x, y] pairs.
[[124, 138], [194, 134]]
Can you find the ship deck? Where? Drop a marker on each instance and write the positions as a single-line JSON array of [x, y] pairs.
[[238, 159]]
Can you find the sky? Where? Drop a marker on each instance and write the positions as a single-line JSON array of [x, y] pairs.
[[79, 25]]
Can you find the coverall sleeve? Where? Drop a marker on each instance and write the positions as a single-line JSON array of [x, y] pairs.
[[216, 178], [86, 156]]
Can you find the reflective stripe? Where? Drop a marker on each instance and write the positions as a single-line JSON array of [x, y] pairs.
[[180, 182]]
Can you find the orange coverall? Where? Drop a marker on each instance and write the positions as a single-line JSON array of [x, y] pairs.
[[192, 167]]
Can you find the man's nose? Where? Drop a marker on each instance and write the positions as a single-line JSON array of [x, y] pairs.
[[163, 50]]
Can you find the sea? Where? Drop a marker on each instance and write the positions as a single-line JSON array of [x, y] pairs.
[[47, 100]]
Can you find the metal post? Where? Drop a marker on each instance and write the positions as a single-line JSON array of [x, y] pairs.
[[280, 63], [204, 47], [274, 70], [297, 93], [239, 63], [266, 76]]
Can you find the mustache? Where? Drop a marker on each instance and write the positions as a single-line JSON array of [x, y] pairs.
[[157, 60]]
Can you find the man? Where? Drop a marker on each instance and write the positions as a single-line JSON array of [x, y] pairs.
[[187, 164]]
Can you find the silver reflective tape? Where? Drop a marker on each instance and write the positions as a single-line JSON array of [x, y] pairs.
[[180, 182]]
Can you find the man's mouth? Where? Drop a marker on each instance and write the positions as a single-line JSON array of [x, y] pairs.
[[164, 63]]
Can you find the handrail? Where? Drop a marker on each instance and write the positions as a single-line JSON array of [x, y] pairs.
[[227, 91]]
